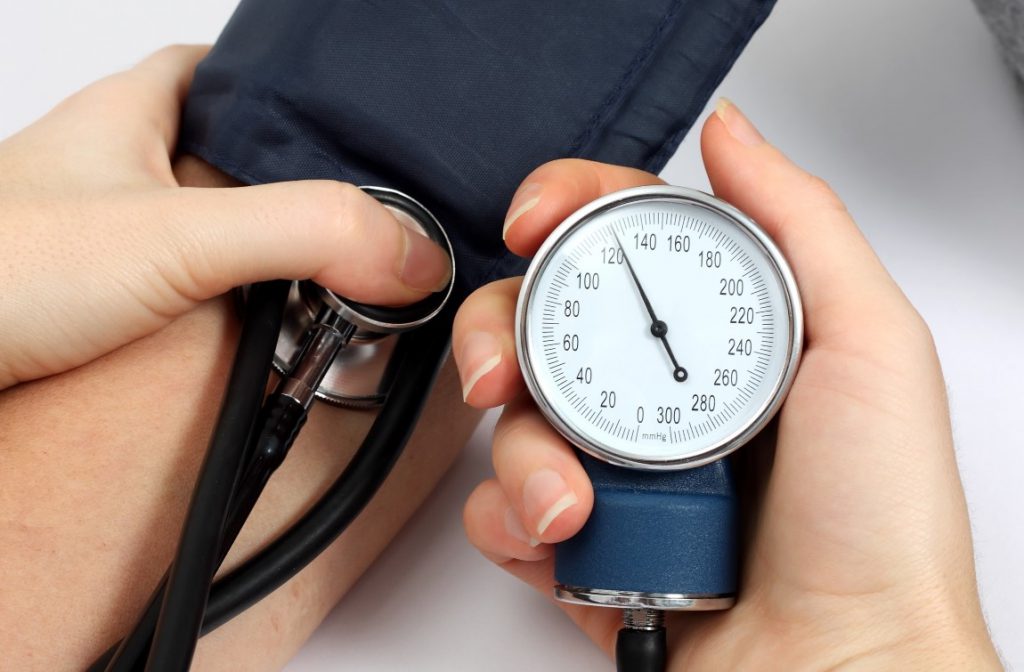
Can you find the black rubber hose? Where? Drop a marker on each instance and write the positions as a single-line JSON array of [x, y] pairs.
[[130, 651], [640, 650], [418, 356], [421, 353], [199, 548], [280, 422]]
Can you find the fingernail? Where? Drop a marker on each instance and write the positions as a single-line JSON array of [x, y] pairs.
[[481, 352], [516, 530], [425, 267], [737, 124], [545, 496], [525, 199]]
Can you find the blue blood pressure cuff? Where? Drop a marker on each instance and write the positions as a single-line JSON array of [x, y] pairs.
[[454, 102]]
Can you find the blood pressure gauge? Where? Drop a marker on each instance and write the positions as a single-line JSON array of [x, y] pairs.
[[659, 328]]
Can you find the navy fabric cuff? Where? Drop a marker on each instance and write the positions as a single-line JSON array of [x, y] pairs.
[[455, 101]]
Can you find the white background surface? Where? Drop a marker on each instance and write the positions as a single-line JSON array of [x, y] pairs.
[[905, 107]]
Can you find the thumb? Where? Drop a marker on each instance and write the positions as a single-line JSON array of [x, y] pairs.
[[845, 289], [333, 233]]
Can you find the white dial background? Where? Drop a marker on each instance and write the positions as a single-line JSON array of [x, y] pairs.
[[609, 381]]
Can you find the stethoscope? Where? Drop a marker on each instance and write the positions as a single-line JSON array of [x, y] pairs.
[[323, 347]]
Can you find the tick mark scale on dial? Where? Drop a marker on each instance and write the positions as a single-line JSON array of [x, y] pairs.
[[621, 354]]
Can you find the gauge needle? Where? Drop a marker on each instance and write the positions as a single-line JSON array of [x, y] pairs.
[[658, 328]]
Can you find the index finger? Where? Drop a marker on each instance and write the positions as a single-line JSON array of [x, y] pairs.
[[133, 116], [557, 189], [166, 76], [482, 340]]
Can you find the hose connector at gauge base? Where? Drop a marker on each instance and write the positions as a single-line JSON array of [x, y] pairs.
[[640, 645]]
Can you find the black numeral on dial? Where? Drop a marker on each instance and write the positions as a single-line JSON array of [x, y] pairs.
[[703, 402], [727, 377], [710, 259], [588, 280], [670, 415], [612, 255], [645, 241], [678, 243], [738, 315], [741, 347], [730, 287]]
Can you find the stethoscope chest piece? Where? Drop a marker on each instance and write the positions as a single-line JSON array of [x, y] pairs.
[[360, 374]]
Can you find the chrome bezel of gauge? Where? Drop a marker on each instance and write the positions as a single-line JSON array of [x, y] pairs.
[[660, 193]]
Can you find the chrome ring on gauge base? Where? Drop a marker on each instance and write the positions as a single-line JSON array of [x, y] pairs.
[[360, 375], [625, 599]]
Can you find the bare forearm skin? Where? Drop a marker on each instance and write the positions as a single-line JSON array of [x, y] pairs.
[[96, 469]]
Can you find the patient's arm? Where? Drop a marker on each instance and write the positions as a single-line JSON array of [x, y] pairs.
[[96, 469]]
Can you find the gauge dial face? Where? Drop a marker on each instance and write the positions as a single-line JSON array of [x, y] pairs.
[[659, 328]]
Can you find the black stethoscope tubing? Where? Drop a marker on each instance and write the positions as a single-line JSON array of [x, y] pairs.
[[322, 524]]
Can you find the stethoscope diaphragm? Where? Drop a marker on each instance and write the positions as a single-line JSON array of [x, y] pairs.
[[359, 374]]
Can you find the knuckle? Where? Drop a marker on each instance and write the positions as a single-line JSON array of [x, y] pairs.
[[336, 208], [174, 53], [561, 170], [919, 331], [822, 194], [176, 49], [511, 428], [471, 513], [476, 306], [102, 94], [169, 51], [564, 164]]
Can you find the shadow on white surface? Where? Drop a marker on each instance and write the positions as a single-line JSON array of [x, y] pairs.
[[434, 603]]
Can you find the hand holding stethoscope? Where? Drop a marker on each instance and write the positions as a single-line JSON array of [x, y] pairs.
[[101, 246]]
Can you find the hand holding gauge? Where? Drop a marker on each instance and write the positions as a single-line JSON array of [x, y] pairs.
[[744, 337], [842, 513]]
